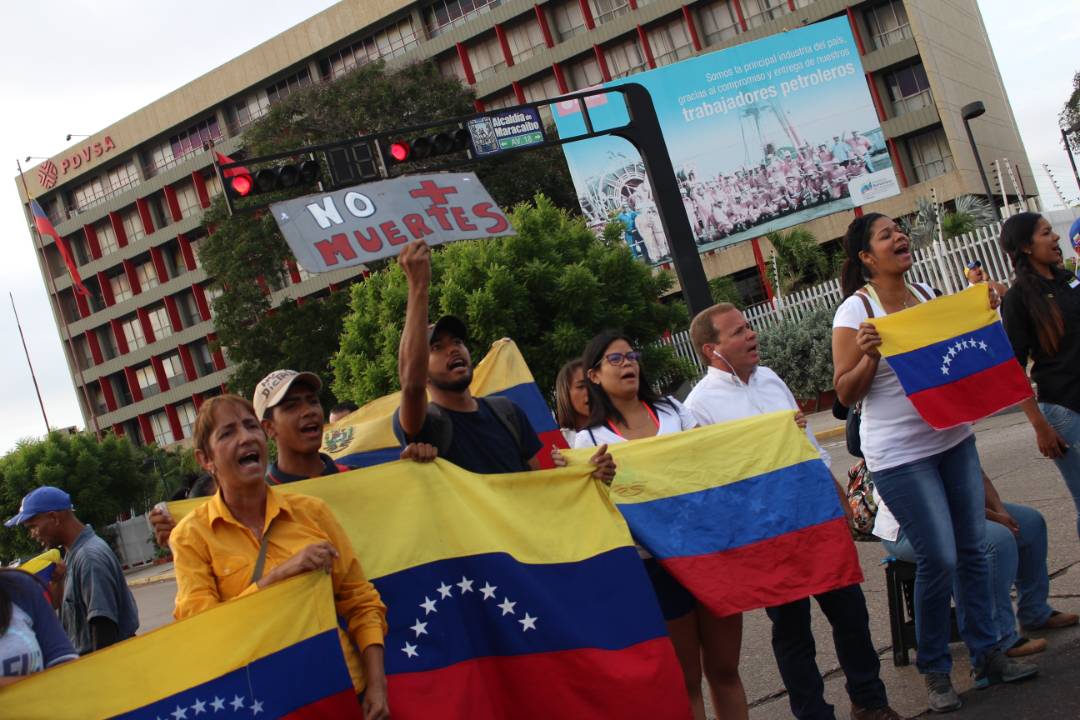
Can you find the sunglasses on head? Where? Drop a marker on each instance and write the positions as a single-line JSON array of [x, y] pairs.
[[618, 358]]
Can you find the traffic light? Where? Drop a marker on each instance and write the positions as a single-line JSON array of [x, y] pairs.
[[240, 183], [421, 148]]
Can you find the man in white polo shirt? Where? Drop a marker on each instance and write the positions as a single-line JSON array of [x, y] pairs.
[[734, 387]]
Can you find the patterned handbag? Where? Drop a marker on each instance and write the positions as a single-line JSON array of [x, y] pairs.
[[860, 498]]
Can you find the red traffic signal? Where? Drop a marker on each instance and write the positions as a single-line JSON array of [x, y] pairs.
[[240, 185], [426, 146], [271, 179]]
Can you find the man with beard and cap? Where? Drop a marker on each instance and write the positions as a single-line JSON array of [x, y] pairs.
[[481, 435]]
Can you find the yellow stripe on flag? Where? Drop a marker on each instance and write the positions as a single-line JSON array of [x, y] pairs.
[[184, 654], [935, 321], [707, 457], [533, 516], [38, 563]]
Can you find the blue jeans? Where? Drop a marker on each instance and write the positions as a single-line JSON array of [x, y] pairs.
[[1019, 560], [940, 505], [1067, 423]]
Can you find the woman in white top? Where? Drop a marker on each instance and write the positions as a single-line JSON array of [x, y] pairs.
[[622, 407], [930, 479]]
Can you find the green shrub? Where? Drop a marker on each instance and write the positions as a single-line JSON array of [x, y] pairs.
[[800, 352]]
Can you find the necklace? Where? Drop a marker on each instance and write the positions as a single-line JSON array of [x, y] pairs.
[[905, 303]]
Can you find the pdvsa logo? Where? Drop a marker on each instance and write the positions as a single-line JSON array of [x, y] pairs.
[[47, 174]]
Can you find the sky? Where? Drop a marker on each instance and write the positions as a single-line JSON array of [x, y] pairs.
[[79, 65]]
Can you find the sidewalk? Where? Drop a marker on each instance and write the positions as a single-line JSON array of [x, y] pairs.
[[150, 574], [825, 427]]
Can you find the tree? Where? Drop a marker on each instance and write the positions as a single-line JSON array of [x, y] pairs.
[[1070, 113], [724, 290], [969, 213], [104, 478], [246, 255], [800, 352], [550, 288], [800, 260]]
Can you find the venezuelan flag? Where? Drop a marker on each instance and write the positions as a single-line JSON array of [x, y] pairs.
[[509, 596], [274, 654], [744, 514], [43, 565], [953, 358], [366, 437]]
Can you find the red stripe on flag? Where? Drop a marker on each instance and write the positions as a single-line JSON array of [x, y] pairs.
[[642, 682], [772, 572], [550, 438], [341, 705], [973, 397]]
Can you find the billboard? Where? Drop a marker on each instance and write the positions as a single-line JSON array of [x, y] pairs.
[[763, 136]]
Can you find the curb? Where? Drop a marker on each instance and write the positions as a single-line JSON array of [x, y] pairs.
[[139, 582], [830, 433]]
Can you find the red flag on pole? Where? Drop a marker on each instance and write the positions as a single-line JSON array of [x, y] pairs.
[[45, 227]]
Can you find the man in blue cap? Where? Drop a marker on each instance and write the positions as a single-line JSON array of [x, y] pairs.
[[98, 608]]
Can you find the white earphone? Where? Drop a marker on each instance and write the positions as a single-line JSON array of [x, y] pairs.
[[734, 376]]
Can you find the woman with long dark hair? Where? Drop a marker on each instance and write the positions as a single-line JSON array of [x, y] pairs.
[[31, 637], [930, 479], [1041, 312], [571, 399], [624, 406]]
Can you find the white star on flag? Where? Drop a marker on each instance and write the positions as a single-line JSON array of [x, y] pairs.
[[488, 590], [420, 628], [528, 622], [199, 706], [947, 360], [256, 707], [237, 703], [983, 345], [409, 650], [428, 605], [465, 585], [944, 370], [218, 704], [507, 607], [179, 713], [444, 591], [952, 352]]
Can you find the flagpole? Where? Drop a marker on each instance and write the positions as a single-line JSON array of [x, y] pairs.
[[60, 313], [29, 364]]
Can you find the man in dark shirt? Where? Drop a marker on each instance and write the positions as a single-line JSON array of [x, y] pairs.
[[98, 608], [485, 435]]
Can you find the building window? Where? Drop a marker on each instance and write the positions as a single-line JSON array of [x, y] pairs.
[[193, 139], [251, 108], [584, 73], [625, 58], [82, 352], [187, 197], [486, 57], [89, 193], [450, 66], [173, 367], [97, 397], [605, 10], [287, 86], [133, 227], [392, 41], [200, 355], [133, 333], [106, 237], [121, 288], [888, 24], [163, 434], [106, 342], [670, 42], [185, 413], [719, 21], [195, 244], [146, 275], [502, 100], [443, 14], [568, 19], [185, 306], [759, 12], [122, 177], [909, 89], [159, 322], [212, 293], [525, 39], [930, 154], [147, 381]]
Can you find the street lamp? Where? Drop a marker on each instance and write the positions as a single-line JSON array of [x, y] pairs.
[[34, 157], [968, 112], [77, 135]]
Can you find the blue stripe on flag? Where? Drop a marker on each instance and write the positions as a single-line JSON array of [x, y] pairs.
[[527, 396], [951, 360], [740, 513]]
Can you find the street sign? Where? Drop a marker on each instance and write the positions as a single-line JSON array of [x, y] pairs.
[[505, 130], [353, 226]]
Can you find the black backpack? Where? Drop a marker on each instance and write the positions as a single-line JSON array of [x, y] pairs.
[[443, 427]]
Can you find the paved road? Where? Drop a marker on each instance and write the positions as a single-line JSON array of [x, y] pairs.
[[1008, 452]]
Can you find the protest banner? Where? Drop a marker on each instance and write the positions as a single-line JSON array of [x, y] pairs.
[[764, 135], [357, 225]]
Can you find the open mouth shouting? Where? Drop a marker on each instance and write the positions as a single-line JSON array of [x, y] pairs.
[[249, 459], [457, 363]]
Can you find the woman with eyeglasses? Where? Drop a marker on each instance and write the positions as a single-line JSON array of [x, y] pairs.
[[623, 406]]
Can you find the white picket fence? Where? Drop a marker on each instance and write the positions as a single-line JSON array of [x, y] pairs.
[[940, 265]]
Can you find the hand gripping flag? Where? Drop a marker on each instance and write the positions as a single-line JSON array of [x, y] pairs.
[[744, 514], [45, 227], [273, 654], [43, 565], [366, 437], [509, 596], [953, 358]]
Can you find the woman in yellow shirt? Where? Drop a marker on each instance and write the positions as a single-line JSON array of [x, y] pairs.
[[250, 535]]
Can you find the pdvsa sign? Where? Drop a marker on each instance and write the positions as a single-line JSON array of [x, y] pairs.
[[47, 171]]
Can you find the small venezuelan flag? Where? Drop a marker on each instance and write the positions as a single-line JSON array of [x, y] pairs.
[[509, 596], [366, 437], [273, 654], [953, 358], [43, 565], [744, 514]]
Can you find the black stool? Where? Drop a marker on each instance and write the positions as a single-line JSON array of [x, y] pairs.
[[900, 588]]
